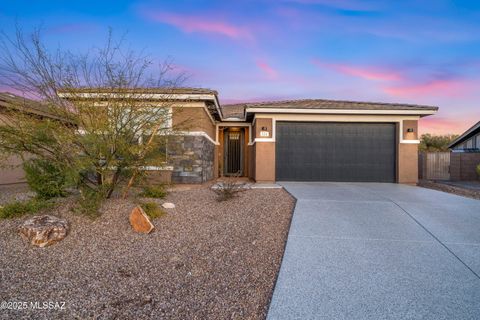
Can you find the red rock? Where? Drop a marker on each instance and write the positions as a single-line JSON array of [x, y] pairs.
[[140, 221]]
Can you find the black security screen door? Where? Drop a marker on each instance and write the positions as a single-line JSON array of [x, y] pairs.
[[363, 152], [233, 152]]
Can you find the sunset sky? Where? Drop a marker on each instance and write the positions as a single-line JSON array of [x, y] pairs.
[[423, 52]]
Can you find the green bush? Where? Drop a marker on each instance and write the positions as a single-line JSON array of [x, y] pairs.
[[152, 210], [20, 208], [89, 202], [434, 143], [45, 178], [157, 191]]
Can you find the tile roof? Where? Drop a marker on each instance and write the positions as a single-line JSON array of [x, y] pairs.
[[329, 104], [233, 111], [10, 100], [165, 90]]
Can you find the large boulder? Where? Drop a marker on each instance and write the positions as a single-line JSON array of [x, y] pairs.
[[140, 221], [42, 231]]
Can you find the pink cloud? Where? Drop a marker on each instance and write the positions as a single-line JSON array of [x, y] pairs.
[[192, 24], [448, 87], [442, 125], [270, 72], [368, 73]]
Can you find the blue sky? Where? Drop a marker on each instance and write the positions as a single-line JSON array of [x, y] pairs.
[[424, 52]]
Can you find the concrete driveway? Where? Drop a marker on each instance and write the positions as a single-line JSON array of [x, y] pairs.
[[379, 251]]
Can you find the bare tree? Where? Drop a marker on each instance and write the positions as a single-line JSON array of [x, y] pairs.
[[104, 124]]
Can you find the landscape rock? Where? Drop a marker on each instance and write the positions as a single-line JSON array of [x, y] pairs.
[[140, 221], [42, 231], [168, 205]]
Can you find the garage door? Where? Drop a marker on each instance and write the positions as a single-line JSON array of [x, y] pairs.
[[309, 151]]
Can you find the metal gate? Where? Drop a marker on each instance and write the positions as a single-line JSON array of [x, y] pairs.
[[319, 151], [233, 155]]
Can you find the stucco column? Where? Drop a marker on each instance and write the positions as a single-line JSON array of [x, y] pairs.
[[408, 152], [264, 151]]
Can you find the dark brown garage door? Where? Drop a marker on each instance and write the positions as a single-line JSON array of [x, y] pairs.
[[309, 151]]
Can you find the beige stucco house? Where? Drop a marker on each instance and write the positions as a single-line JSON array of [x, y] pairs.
[[296, 140], [11, 171]]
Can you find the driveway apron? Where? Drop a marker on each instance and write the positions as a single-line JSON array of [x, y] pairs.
[[379, 251]]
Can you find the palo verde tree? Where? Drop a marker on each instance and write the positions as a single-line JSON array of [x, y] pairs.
[[104, 124]]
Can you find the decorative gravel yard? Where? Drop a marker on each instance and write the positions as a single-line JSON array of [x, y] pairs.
[[205, 260]]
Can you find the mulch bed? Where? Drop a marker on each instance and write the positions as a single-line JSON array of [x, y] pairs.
[[470, 193], [205, 260]]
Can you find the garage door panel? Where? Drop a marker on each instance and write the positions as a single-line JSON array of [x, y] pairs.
[[307, 151]]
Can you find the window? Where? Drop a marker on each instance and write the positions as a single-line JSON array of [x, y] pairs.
[[469, 144]]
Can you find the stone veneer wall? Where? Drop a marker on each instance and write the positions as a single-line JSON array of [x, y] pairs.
[[192, 158]]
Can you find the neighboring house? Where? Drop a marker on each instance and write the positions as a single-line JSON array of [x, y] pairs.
[[469, 141], [465, 156], [13, 172], [297, 140]]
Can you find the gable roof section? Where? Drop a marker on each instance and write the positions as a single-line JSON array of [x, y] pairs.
[[21, 104], [333, 106], [466, 135], [158, 90], [240, 111], [236, 111], [161, 93]]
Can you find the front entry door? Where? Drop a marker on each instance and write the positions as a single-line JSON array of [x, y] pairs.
[[233, 153]]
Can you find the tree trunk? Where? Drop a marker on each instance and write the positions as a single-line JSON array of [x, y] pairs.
[[115, 177]]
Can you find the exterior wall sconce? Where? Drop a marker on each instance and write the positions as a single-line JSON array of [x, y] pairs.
[[264, 128], [410, 130]]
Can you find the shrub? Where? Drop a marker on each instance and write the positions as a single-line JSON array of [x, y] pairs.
[[228, 189], [152, 210], [434, 143], [20, 208], [157, 191], [89, 202], [45, 178]]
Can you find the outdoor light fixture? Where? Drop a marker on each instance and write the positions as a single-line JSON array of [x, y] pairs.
[[410, 130], [264, 128]]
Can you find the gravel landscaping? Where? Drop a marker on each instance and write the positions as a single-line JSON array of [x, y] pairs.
[[11, 193], [465, 189], [205, 260]]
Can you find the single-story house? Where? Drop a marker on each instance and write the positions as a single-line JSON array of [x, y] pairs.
[[465, 156], [12, 172], [295, 140]]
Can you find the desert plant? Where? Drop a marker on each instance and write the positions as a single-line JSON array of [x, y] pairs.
[[101, 141], [152, 210], [89, 202], [45, 178], [20, 208], [156, 191], [228, 188]]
